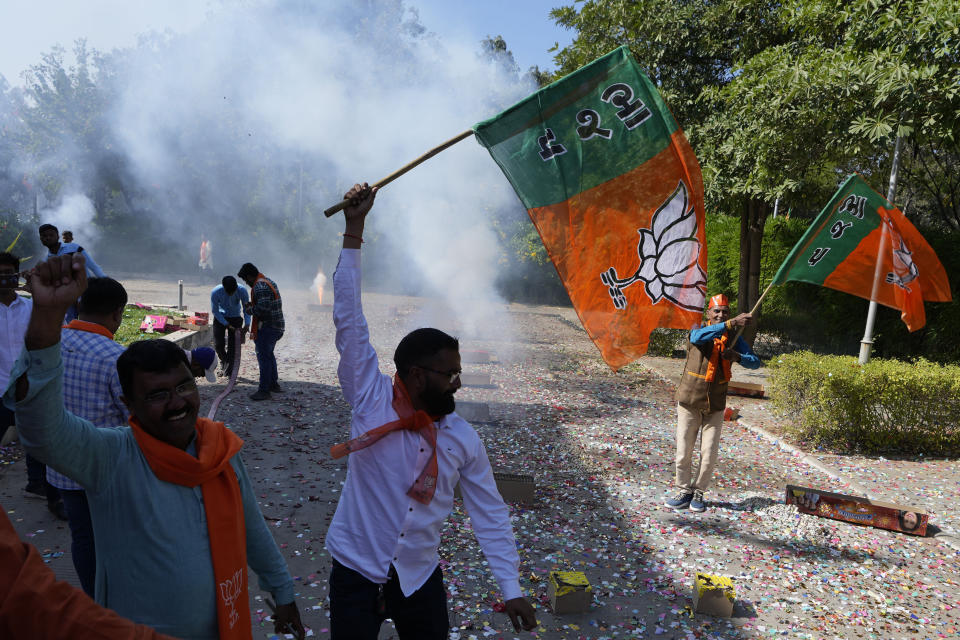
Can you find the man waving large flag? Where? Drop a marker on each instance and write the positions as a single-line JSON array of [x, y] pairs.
[[863, 245], [615, 191]]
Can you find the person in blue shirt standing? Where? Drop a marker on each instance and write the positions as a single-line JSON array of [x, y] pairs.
[[228, 302], [50, 238], [702, 397]]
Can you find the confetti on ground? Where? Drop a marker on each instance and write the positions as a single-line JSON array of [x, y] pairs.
[[600, 446]]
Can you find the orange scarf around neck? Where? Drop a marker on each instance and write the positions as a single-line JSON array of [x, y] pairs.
[[719, 346], [90, 327], [254, 323], [223, 504], [410, 420]]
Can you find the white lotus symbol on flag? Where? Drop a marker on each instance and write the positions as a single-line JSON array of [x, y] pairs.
[[669, 251], [905, 270]]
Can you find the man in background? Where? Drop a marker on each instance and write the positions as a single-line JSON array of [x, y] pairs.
[[14, 317], [702, 397], [50, 238], [266, 307], [228, 304], [67, 236], [91, 390]]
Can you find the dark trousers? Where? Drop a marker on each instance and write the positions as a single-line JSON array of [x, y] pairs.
[[356, 615], [223, 341], [81, 535], [37, 477], [265, 343]]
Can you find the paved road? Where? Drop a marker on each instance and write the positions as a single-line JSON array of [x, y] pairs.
[[600, 447]]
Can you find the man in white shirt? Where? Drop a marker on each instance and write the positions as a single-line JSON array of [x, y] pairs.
[[14, 318], [410, 451]]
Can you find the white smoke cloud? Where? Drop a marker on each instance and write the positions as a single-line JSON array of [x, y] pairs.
[[352, 92], [75, 213]]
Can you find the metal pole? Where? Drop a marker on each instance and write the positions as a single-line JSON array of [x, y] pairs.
[[180, 305], [866, 344]]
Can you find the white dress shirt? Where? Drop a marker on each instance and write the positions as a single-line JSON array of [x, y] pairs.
[[376, 523], [13, 327]]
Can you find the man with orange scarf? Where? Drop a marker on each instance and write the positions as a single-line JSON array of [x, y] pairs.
[[175, 517], [702, 397], [408, 450]]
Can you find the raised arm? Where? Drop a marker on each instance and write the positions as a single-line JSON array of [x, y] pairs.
[[359, 370]]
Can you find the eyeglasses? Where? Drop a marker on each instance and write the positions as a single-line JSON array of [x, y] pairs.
[[451, 375], [162, 396]]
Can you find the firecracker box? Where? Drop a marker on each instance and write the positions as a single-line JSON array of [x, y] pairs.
[[203, 314], [473, 411], [731, 413], [197, 321], [154, 323], [858, 510], [713, 595], [569, 592], [749, 389], [476, 380], [513, 487]]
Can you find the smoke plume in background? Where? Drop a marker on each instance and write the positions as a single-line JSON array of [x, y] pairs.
[[74, 213], [304, 102], [246, 127]]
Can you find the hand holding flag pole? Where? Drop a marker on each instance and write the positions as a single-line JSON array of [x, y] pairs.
[[407, 167], [752, 311]]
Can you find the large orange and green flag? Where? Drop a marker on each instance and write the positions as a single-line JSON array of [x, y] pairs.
[[863, 245], [615, 191]]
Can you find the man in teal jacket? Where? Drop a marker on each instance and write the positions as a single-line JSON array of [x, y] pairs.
[[174, 534]]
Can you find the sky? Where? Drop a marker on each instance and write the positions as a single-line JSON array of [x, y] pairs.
[[28, 29]]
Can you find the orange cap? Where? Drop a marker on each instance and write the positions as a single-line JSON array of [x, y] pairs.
[[719, 300]]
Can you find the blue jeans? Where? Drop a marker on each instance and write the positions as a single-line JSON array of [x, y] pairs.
[[81, 534], [265, 342]]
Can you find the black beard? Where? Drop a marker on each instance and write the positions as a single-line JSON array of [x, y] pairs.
[[438, 403]]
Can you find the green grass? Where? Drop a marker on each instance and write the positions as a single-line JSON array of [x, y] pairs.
[[129, 330]]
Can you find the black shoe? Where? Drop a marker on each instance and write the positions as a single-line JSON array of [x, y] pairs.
[[275, 388], [57, 509], [260, 395], [35, 491]]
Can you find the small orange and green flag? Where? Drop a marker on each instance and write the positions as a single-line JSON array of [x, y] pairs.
[[615, 191], [863, 245]]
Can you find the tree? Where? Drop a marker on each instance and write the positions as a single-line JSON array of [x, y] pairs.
[[781, 100]]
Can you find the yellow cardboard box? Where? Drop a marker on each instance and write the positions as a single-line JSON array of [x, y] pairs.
[[713, 595], [569, 592]]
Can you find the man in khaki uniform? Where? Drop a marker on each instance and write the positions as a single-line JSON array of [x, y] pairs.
[[702, 397]]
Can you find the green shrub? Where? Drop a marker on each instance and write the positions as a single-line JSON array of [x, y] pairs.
[[885, 406]]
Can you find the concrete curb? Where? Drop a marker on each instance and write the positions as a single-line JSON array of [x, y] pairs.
[[946, 537], [191, 339]]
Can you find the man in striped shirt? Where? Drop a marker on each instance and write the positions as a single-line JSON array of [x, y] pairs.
[[91, 390]]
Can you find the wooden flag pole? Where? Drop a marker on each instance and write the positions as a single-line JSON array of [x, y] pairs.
[[752, 311], [402, 170]]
